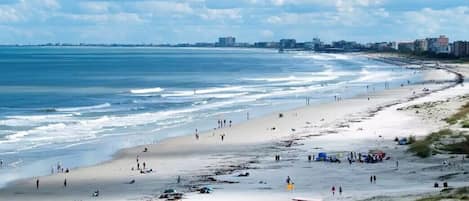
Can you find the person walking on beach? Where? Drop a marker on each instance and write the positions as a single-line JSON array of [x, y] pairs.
[[289, 181], [222, 137], [397, 164], [333, 190], [340, 190], [65, 183], [179, 179], [374, 179], [138, 166], [37, 184], [230, 123], [144, 165], [371, 179]]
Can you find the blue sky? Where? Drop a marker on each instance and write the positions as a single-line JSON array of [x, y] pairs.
[[177, 21]]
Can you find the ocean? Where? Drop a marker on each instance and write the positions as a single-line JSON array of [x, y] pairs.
[[77, 106]]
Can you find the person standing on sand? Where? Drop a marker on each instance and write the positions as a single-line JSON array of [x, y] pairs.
[[230, 123], [397, 164], [288, 180], [144, 164], [374, 179], [340, 190], [371, 179], [65, 183], [179, 179], [333, 190], [37, 184]]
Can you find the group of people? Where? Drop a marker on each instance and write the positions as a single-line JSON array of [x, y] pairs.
[[222, 123], [373, 179], [367, 158], [277, 157], [333, 189], [60, 169]]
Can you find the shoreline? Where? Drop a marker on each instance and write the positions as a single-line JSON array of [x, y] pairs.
[[179, 147]]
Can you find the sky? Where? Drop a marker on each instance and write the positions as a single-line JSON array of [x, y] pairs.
[[180, 21]]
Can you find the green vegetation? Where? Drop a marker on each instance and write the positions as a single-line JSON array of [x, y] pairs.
[[423, 148], [461, 114], [465, 124], [411, 139], [453, 194], [458, 148]]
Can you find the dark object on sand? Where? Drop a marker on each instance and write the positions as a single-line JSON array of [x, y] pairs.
[[171, 194], [205, 190], [246, 174], [146, 171], [96, 193], [435, 185], [280, 115], [445, 184], [132, 181], [145, 149]]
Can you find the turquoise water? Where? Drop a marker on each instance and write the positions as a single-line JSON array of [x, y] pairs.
[[78, 106]]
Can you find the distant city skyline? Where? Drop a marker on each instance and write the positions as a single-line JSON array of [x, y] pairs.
[[191, 21]]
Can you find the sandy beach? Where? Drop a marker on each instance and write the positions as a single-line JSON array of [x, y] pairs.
[[366, 122]]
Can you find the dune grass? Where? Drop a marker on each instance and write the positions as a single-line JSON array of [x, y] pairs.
[[461, 114], [465, 124], [449, 194], [423, 148], [458, 148]]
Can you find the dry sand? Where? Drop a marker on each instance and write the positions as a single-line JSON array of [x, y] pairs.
[[356, 124]]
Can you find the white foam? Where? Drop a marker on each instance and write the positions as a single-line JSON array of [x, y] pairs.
[[147, 90], [213, 90], [84, 108], [323, 56], [32, 120]]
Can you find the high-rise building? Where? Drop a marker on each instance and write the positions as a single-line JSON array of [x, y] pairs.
[[226, 41], [405, 46], [420, 45], [287, 43], [438, 45], [460, 49], [317, 44], [266, 44]]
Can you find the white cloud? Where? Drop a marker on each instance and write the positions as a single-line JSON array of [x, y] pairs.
[[50, 4], [96, 6], [221, 14], [109, 18], [267, 33], [428, 21], [9, 14], [164, 7]]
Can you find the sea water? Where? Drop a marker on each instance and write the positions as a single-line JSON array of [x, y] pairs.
[[79, 105]]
